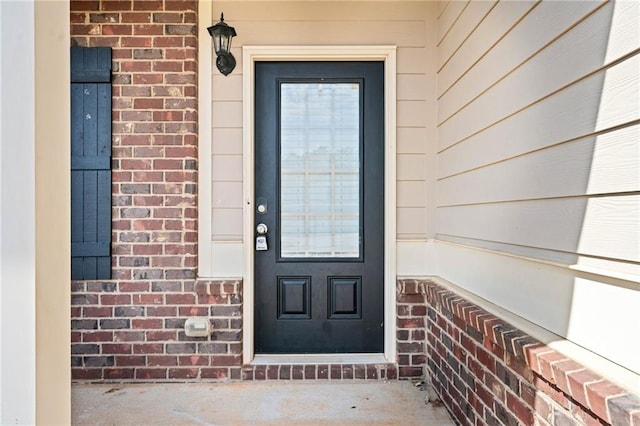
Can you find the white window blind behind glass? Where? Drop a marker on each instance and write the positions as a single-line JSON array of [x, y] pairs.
[[320, 170]]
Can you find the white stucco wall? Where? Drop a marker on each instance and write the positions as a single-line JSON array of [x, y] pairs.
[[17, 214]]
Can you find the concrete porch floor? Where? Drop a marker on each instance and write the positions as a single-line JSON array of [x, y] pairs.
[[255, 403]]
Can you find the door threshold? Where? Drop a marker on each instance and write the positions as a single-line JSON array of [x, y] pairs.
[[311, 359]]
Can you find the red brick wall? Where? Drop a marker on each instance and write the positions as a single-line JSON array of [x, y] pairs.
[[410, 331], [130, 327], [154, 134], [487, 371]]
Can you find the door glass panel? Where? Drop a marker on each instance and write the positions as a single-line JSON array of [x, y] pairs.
[[319, 170]]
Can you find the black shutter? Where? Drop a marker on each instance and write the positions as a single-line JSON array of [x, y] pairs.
[[90, 163]]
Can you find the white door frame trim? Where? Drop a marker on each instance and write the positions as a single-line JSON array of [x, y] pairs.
[[252, 54]]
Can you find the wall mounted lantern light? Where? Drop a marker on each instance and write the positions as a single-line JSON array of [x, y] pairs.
[[222, 35]]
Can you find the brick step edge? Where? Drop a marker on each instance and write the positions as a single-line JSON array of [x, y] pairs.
[[386, 371]]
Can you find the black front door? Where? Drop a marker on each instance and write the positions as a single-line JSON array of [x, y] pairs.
[[319, 207]]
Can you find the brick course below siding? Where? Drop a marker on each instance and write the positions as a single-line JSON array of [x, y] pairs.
[[410, 331], [487, 371], [138, 336]]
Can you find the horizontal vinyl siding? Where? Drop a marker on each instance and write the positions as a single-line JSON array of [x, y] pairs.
[[449, 17], [605, 227], [539, 153], [470, 18], [551, 128], [476, 42], [409, 25], [593, 165], [577, 111]]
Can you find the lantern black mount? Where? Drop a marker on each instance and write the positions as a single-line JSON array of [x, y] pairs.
[[222, 35]]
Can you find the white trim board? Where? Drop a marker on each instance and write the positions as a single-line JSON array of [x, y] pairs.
[[205, 62], [252, 54]]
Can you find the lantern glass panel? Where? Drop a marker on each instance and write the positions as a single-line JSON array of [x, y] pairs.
[[216, 42], [224, 43]]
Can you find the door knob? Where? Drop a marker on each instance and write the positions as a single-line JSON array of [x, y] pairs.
[[261, 229]]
